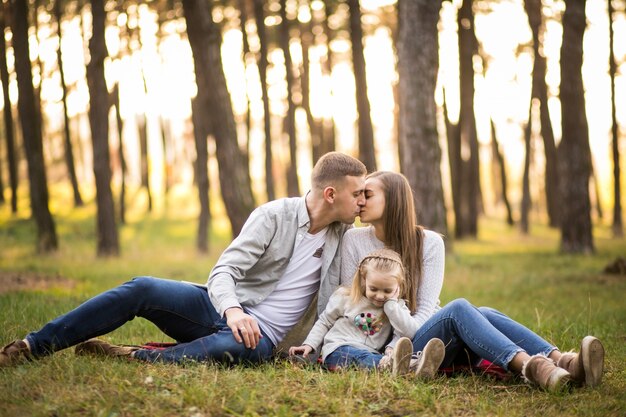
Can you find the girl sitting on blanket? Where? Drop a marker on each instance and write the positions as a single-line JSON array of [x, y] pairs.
[[359, 320]]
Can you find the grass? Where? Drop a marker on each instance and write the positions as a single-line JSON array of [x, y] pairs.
[[562, 297]]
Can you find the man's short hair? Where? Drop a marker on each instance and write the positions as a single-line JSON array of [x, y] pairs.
[[334, 167]]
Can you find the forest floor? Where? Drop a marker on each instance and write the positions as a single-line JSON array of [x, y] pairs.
[[562, 297]]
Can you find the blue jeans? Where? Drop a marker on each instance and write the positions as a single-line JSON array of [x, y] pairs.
[[182, 311], [345, 356], [481, 332]]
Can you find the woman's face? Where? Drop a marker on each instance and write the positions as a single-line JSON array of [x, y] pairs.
[[374, 207]]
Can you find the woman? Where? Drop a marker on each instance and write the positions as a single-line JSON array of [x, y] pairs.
[[484, 332]]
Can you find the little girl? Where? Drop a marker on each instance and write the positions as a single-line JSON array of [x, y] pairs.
[[359, 320]]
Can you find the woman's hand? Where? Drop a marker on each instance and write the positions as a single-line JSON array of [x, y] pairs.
[[303, 350], [244, 327]]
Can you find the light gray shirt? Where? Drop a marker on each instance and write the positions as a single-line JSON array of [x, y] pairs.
[[250, 268]]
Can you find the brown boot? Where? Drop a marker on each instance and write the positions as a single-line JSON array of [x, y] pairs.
[[401, 356], [427, 362], [541, 370], [14, 353], [585, 367], [99, 347]]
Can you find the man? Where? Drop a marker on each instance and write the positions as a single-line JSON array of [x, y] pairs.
[[286, 254]]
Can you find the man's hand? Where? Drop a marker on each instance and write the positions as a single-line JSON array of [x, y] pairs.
[[245, 327], [303, 350]]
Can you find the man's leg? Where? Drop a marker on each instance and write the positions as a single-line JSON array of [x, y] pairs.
[[220, 346], [180, 310]]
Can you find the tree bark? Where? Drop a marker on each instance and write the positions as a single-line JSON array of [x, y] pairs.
[[526, 201], [201, 131], [367, 152], [69, 152], [8, 117], [540, 92], [573, 152], [31, 130], [293, 189], [502, 171], [617, 225], [259, 17], [328, 126], [466, 221], [120, 152], [205, 41], [243, 18], [418, 63], [108, 242]]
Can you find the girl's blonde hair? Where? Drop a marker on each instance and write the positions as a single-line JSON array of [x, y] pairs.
[[384, 261], [402, 233]]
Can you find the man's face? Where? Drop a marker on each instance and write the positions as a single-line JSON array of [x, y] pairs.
[[349, 198]]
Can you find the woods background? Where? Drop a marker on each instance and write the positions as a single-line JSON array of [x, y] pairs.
[[510, 109]]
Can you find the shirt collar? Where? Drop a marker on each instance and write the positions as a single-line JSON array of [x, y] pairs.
[[303, 213]]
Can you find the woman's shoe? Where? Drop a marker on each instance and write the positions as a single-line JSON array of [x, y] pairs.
[[587, 366], [541, 370]]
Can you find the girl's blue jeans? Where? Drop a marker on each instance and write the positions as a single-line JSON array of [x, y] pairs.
[[182, 311], [345, 356], [471, 333]]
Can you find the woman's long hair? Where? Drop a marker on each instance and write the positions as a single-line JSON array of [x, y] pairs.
[[402, 233]]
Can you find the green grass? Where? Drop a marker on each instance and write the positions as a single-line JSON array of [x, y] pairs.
[[562, 297]]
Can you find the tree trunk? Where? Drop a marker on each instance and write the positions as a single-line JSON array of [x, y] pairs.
[[469, 177], [205, 41], [243, 18], [315, 130], [453, 136], [367, 152], [540, 92], [502, 170], [201, 131], [108, 242], [259, 17], [574, 153], [31, 130], [616, 227], [69, 152], [120, 152], [328, 126], [8, 117], [418, 63], [293, 189], [526, 201]]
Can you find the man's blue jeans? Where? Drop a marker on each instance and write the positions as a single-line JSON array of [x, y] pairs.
[[345, 356], [481, 332], [182, 311]]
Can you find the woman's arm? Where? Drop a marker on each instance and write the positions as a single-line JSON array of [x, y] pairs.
[[431, 281]]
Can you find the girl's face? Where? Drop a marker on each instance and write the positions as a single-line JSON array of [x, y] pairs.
[[374, 207], [380, 287]]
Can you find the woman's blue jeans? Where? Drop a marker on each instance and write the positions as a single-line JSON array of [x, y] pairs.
[[480, 333], [345, 356], [182, 311]]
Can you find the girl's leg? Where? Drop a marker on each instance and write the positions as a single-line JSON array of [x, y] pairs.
[[521, 335], [460, 325], [345, 356], [180, 310]]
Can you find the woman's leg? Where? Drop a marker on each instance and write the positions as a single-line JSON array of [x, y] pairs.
[[180, 310], [522, 336], [460, 325], [345, 356]]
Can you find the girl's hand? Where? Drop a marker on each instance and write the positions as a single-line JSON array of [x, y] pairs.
[[303, 350], [396, 294]]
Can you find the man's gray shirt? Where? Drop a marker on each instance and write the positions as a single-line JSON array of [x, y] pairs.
[[249, 269]]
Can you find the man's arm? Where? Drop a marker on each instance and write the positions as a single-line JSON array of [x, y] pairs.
[[243, 253]]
